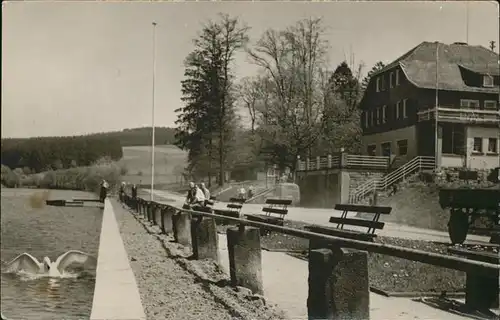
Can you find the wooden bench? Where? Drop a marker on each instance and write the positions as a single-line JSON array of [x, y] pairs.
[[274, 213], [233, 209], [343, 220]]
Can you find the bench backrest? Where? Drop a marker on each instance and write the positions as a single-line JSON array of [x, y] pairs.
[[340, 221], [370, 224], [363, 208], [236, 204], [277, 206]]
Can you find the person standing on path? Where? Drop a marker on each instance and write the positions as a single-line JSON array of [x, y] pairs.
[[104, 190], [206, 192], [242, 193], [134, 195], [121, 192]]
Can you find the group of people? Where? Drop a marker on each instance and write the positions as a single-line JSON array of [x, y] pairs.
[[121, 192], [198, 195], [243, 194]]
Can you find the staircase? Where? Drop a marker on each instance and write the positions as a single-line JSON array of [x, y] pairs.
[[412, 167]]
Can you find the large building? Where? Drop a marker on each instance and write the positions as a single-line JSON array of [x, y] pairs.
[[461, 81]]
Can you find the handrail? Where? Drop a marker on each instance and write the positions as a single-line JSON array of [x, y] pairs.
[[416, 164], [450, 262]]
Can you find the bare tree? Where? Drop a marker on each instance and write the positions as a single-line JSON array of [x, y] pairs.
[[293, 60]]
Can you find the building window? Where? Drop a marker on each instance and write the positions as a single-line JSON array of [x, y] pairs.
[[488, 81], [384, 114], [386, 149], [371, 150], [490, 105], [372, 116], [397, 77], [366, 119], [391, 80], [382, 83], [404, 109], [378, 115], [378, 84], [492, 145], [469, 104], [397, 109], [478, 145], [402, 147]]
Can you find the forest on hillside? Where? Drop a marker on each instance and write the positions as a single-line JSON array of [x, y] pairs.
[[141, 136], [53, 153]]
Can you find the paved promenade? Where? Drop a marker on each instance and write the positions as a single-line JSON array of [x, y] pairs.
[[285, 284]]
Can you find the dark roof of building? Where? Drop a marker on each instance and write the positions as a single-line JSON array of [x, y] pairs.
[[419, 65]]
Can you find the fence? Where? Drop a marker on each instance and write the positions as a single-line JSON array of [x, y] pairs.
[[415, 165], [343, 160], [327, 256]]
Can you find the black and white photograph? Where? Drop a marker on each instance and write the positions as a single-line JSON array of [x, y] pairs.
[[213, 160]]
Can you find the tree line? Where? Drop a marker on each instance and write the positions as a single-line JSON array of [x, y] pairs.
[[142, 136], [52, 153], [297, 105]]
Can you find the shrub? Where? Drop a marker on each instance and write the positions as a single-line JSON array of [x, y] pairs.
[[9, 178], [80, 178]]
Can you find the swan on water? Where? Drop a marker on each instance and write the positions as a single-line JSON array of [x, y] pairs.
[[27, 263]]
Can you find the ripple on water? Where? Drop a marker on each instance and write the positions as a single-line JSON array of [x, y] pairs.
[[48, 231]]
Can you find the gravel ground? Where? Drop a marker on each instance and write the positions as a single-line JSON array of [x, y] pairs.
[[386, 273], [174, 287]]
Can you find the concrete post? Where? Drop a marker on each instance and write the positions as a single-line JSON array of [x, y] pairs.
[[204, 238], [338, 284], [308, 164], [318, 162], [481, 293], [150, 208], [182, 228], [329, 161], [157, 214], [166, 220], [245, 258]]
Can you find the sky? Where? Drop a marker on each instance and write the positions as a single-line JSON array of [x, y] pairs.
[[71, 68]]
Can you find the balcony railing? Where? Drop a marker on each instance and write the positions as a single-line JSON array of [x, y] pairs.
[[461, 115], [343, 160]]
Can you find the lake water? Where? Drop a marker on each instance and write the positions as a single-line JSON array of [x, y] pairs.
[[47, 231]]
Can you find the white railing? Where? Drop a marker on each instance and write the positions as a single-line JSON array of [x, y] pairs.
[[461, 115], [351, 161], [415, 165]]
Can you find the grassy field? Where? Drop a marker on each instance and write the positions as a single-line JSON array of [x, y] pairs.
[[169, 160]]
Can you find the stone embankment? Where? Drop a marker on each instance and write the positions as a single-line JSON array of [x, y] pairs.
[[172, 286]]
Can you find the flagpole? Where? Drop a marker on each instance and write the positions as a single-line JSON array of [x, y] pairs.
[[436, 116], [153, 114]]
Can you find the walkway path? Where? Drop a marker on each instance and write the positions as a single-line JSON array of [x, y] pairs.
[[321, 217], [288, 289]]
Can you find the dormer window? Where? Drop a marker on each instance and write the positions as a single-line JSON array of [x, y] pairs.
[[397, 77], [487, 81], [378, 84], [391, 80]]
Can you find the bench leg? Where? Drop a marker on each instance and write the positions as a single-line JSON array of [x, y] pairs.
[[481, 293]]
